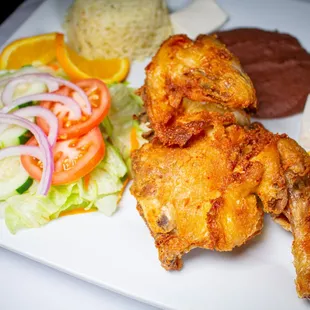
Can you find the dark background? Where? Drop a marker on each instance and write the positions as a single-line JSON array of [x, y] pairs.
[[7, 8]]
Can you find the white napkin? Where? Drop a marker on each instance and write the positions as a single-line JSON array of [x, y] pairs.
[[304, 136], [200, 16]]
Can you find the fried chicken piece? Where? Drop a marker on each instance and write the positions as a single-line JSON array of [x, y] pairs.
[[272, 189], [296, 166], [211, 192], [203, 195], [201, 71]]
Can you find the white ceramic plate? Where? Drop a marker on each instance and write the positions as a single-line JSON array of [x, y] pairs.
[[118, 253]]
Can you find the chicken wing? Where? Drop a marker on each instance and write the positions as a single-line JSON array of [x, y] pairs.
[[203, 72]]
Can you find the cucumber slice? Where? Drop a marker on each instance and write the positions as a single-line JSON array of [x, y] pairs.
[[25, 137], [31, 88], [27, 104], [14, 135], [13, 177], [24, 187]]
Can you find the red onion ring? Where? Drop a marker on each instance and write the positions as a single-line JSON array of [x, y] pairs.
[[21, 150], [52, 84], [48, 116], [47, 155], [8, 91], [72, 104], [12, 75]]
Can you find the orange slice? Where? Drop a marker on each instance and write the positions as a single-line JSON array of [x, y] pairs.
[[26, 51], [78, 67]]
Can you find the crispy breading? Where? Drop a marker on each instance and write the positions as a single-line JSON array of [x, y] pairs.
[[208, 174], [203, 71], [296, 166], [205, 195]]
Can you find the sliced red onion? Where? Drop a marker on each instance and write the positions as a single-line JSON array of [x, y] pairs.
[[5, 79], [47, 155], [52, 84], [87, 109], [8, 91], [21, 150], [72, 104], [48, 116]]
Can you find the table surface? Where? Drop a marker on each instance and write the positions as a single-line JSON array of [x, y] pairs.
[[25, 284]]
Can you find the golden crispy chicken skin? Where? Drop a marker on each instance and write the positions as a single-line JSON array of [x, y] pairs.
[[202, 71], [203, 195], [208, 175], [296, 166]]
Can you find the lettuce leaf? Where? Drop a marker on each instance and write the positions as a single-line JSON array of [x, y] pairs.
[[90, 194], [25, 89], [106, 182], [27, 211], [140, 130], [107, 204], [113, 162], [125, 103]]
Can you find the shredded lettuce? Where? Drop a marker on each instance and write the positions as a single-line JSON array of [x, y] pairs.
[[106, 181], [3, 205], [107, 204], [28, 211], [105, 185], [90, 194], [125, 103], [113, 163], [140, 130]]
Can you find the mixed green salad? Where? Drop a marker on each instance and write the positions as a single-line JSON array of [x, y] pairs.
[[64, 146]]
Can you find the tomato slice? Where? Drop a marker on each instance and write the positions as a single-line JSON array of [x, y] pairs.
[[73, 158], [99, 97]]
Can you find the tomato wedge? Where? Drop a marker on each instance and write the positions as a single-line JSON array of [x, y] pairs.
[[99, 97], [73, 158]]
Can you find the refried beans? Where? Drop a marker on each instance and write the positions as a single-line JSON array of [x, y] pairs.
[[278, 66]]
